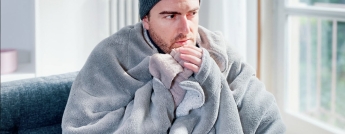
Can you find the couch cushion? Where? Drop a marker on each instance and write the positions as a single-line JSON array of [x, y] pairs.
[[35, 103]]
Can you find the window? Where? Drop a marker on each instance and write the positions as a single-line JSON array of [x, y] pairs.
[[313, 49]]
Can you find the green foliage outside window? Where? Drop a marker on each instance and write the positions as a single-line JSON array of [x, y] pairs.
[[309, 30]]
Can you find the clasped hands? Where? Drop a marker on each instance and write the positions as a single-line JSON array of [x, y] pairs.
[[192, 57]]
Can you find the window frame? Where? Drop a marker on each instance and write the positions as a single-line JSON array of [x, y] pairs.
[[295, 122]]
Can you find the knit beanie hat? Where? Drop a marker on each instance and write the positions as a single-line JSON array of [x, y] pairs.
[[145, 6]]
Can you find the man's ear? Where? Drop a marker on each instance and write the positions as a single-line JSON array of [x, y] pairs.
[[146, 22]]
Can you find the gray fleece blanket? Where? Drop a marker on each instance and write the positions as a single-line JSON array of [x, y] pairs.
[[115, 92]]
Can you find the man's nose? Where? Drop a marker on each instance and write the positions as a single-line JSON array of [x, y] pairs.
[[184, 25]]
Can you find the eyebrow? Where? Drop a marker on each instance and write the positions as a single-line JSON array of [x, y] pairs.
[[174, 12], [169, 12]]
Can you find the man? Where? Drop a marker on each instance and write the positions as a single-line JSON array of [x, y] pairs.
[[167, 74]]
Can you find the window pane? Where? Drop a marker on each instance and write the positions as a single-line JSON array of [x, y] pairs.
[[320, 3], [317, 69], [340, 103]]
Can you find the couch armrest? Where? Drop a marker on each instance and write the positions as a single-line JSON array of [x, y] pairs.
[[33, 105]]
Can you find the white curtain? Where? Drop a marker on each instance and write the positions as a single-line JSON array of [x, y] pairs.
[[229, 17], [237, 20]]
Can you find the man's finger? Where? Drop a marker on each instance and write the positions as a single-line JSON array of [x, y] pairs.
[[191, 66], [190, 51], [192, 59]]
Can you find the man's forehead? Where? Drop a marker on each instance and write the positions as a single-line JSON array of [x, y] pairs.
[[180, 1], [178, 5]]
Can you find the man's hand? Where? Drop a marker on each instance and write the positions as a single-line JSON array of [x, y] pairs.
[[192, 57]]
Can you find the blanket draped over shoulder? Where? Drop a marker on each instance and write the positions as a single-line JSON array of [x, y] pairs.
[[117, 92]]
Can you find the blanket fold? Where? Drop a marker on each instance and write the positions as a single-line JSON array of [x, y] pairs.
[[176, 90]]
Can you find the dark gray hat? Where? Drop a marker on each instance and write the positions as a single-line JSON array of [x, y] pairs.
[[145, 6]]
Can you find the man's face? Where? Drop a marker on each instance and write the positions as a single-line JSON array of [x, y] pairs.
[[173, 23]]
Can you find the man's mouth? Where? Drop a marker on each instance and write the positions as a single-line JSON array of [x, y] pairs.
[[182, 42]]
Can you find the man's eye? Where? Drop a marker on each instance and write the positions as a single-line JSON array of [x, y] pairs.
[[192, 14], [170, 16]]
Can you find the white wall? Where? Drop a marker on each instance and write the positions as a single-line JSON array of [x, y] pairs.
[[18, 27], [252, 32], [268, 48], [67, 31], [52, 36]]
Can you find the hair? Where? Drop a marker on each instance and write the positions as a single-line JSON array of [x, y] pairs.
[[148, 16]]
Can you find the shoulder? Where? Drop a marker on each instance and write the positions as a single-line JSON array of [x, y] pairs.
[[119, 42], [120, 38], [223, 52], [127, 46]]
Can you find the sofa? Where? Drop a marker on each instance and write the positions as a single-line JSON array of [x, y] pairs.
[[34, 105]]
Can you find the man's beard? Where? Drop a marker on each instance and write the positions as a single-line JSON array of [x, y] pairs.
[[166, 47]]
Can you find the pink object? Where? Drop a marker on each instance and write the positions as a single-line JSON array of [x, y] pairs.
[[8, 60]]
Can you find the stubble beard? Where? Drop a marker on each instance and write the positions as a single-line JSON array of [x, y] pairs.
[[166, 47], [159, 41]]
